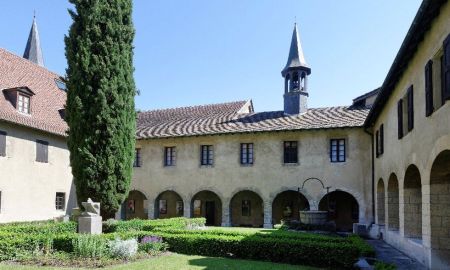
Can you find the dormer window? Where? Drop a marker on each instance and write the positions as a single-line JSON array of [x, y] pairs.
[[23, 103]]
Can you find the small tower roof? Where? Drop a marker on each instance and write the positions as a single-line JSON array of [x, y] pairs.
[[296, 58], [33, 51]]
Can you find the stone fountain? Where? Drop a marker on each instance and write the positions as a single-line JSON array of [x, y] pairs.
[[313, 216]]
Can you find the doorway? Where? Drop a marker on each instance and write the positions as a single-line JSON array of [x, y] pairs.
[[210, 215]]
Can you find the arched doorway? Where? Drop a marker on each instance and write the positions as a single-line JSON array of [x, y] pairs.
[[380, 202], [169, 204], [247, 209], [208, 205], [343, 209], [393, 199], [287, 205], [440, 211], [134, 206], [412, 203]]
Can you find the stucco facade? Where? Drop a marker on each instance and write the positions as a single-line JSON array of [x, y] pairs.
[[28, 188], [265, 179], [413, 195]]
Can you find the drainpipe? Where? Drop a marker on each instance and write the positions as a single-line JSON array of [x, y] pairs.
[[373, 172]]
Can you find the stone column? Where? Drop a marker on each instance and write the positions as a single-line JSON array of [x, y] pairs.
[[268, 215], [187, 209], [151, 209], [117, 216], [226, 215]]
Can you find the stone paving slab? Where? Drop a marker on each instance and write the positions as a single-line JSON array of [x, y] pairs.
[[389, 254]]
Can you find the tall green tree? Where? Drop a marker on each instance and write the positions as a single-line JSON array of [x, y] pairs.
[[100, 100]]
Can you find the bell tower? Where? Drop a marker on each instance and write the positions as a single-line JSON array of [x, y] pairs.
[[295, 75]]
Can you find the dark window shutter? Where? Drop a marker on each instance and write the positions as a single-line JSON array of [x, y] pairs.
[[377, 143], [400, 118], [446, 69], [410, 108], [429, 88], [381, 139], [42, 151], [2, 144]]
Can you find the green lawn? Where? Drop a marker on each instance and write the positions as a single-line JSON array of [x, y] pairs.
[[178, 261]]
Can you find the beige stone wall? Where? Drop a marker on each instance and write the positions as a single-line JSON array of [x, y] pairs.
[[267, 177], [28, 188], [420, 147]]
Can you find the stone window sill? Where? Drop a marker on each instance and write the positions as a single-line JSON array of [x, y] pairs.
[[291, 164]]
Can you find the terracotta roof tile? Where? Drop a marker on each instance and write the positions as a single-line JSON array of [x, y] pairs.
[[224, 118], [47, 102]]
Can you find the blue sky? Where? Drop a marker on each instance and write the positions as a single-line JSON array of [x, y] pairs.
[[201, 51]]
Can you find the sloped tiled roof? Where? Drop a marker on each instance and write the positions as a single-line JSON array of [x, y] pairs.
[[47, 102], [225, 119]]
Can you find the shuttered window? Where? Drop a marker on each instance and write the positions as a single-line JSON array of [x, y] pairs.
[[290, 152], [400, 118], [2, 144], [381, 139], [429, 107], [41, 151], [446, 70], [206, 155], [410, 98]]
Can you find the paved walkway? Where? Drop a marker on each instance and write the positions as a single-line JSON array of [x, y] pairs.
[[389, 254]]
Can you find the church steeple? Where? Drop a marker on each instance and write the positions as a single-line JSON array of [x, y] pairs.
[[33, 51], [295, 75]]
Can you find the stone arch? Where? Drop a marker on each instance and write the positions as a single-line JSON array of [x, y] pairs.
[[440, 210], [135, 206], [287, 205], [380, 202], [207, 204], [343, 209], [169, 204], [393, 203], [412, 202], [247, 209]]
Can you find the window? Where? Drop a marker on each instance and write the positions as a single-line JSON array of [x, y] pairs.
[[446, 70], [379, 138], [337, 150], [405, 113], [61, 85], [429, 88], [247, 153], [60, 201], [170, 156], [290, 152], [23, 104], [41, 151], [2, 144], [400, 118], [207, 155], [410, 108], [137, 158]]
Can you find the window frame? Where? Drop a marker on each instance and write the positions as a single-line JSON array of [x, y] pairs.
[[288, 152], [247, 154], [3, 135], [60, 205], [339, 158], [21, 103], [170, 156], [137, 158], [206, 155]]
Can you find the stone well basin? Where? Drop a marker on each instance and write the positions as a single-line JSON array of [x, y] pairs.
[[313, 217]]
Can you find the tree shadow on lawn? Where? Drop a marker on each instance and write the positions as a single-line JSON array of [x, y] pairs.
[[224, 263]]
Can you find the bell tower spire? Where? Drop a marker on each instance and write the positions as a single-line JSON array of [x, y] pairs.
[[295, 75], [33, 51]]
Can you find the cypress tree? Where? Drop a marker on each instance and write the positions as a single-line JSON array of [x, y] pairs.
[[100, 100]]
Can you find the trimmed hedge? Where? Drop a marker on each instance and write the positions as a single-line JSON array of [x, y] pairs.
[[47, 227], [149, 225]]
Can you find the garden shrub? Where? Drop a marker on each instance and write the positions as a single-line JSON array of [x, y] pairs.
[[365, 249], [40, 227], [124, 249], [148, 225], [151, 244], [90, 246]]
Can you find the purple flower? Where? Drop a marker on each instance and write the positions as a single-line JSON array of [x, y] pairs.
[[151, 239]]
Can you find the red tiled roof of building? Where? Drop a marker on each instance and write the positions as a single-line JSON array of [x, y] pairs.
[[47, 102], [232, 117]]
